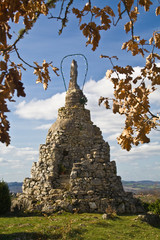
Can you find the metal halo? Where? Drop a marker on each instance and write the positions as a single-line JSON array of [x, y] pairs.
[[69, 55]]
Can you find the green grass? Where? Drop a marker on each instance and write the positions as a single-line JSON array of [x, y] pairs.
[[76, 226]]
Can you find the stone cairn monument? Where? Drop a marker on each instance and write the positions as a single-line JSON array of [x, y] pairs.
[[74, 171]]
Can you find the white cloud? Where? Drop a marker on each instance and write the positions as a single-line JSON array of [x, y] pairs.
[[145, 151], [103, 87], [154, 97], [44, 126], [3, 161], [25, 152], [16, 152], [112, 137], [13, 158], [6, 150], [41, 109]]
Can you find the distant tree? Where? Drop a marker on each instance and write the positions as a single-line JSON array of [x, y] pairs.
[[131, 95], [5, 198]]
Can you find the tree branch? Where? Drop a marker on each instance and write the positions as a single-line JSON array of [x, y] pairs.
[[25, 30], [61, 8], [64, 20], [132, 29], [115, 24], [22, 58]]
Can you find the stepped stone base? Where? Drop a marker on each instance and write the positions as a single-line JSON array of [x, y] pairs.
[[74, 171], [73, 202]]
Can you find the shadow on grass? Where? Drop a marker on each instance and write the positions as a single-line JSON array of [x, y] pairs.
[[76, 234], [72, 234], [102, 224], [30, 236], [21, 214]]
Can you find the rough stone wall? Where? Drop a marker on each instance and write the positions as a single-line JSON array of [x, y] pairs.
[[74, 171]]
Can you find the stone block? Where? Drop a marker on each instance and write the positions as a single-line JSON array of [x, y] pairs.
[[92, 205]]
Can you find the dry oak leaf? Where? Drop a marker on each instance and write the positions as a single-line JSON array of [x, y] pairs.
[[133, 14], [55, 69], [125, 142], [16, 17], [115, 107], [106, 104], [109, 73], [129, 4], [128, 26], [3, 66], [146, 4], [158, 11], [157, 40], [109, 10]]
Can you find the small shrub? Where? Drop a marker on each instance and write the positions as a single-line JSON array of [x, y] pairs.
[[62, 169], [111, 212], [5, 198], [146, 206], [155, 207]]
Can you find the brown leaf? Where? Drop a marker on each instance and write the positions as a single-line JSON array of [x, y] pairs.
[[45, 85], [86, 30], [109, 10], [15, 78], [146, 4], [144, 138], [158, 11], [104, 56], [3, 66], [10, 84], [156, 80], [101, 99], [136, 79], [4, 128], [129, 4], [141, 52], [115, 57], [55, 69], [109, 73], [133, 14], [114, 81], [16, 17], [142, 41], [3, 38], [106, 104], [124, 45], [151, 40], [157, 40], [125, 142], [156, 55], [119, 9], [87, 7], [115, 107]]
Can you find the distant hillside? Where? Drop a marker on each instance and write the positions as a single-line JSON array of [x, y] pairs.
[[15, 187], [137, 186], [131, 186]]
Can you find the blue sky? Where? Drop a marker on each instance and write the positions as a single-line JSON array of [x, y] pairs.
[[31, 117]]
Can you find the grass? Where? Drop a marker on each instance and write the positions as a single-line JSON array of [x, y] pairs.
[[68, 226]]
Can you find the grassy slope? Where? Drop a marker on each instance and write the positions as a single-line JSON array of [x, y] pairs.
[[76, 226]]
